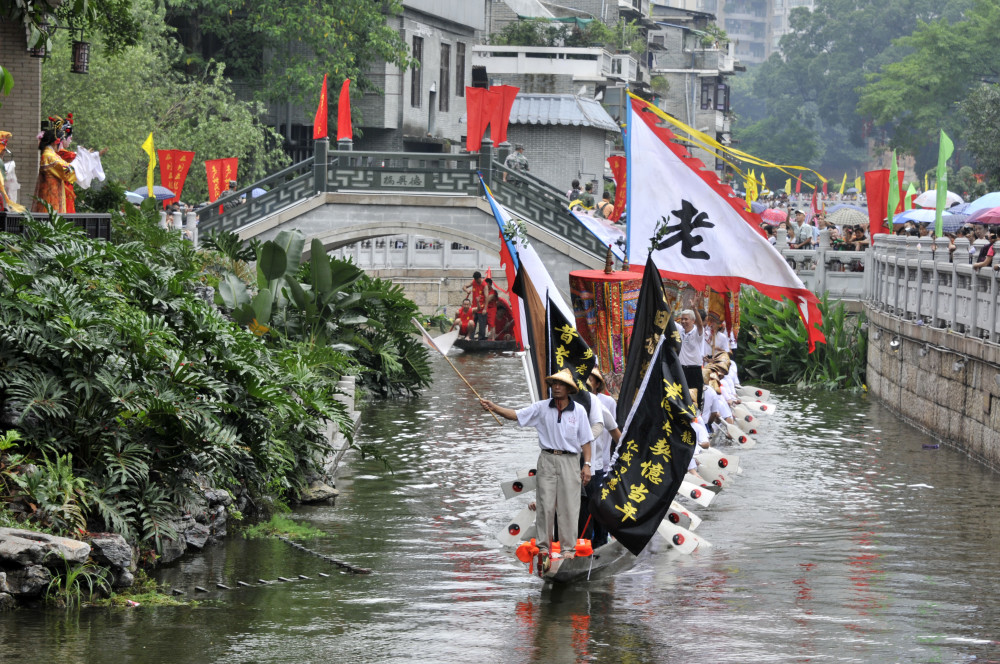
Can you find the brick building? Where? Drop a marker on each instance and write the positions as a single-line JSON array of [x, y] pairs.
[[20, 111]]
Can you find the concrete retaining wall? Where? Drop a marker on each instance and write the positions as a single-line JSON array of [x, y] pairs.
[[944, 383]]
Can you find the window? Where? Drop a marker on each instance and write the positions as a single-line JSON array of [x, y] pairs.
[[417, 73], [722, 98], [707, 93], [460, 69], [445, 78]]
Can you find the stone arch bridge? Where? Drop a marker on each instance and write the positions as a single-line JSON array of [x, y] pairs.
[[419, 219]]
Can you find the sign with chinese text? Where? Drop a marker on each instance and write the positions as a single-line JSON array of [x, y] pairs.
[[174, 167]]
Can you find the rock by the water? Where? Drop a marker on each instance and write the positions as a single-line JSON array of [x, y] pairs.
[[218, 497], [197, 535], [26, 547], [113, 552], [28, 581], [318, 492], [7, 602], [4, 587]]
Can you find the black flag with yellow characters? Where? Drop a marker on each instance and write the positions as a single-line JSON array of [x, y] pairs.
[[653, 454], [566, 348]]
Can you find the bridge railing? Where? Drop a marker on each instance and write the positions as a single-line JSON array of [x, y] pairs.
[[93, 224], [918, 280], [240, 207], [399, 172]]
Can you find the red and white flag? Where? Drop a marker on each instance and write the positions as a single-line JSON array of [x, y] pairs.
[[695, 229]]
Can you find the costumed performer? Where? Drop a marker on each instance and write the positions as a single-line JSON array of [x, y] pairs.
[[6, 204], [53, 172]]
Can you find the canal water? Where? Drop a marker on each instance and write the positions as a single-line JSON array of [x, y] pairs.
[[844, 540]]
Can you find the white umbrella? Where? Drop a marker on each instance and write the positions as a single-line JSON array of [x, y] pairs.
[[133, 197], [928, 199]]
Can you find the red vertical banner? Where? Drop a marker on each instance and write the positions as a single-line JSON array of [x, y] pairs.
[[877, 190], [174, 167], [798, 185], [344, 132], [618, 170], [474, 117], [319, 122], [491, 111], [219, 173], [500, 116], [824, 188], [813, 208]]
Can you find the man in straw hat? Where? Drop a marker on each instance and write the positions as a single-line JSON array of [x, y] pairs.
[[563, 434]]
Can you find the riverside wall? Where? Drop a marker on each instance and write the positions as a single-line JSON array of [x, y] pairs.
[[933, 351]]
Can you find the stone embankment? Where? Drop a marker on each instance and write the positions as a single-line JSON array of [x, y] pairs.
[[30, 560]]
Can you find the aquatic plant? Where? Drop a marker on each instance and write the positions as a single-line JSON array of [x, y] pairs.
[[773, 345]]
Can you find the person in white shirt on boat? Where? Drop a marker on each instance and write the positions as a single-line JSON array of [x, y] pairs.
[[716, 410], [691, 329], [716, 339], [563, 434]]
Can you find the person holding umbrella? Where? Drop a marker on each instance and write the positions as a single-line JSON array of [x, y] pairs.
[[986, 253]]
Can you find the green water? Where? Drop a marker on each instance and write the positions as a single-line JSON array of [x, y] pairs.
[[843, 541]]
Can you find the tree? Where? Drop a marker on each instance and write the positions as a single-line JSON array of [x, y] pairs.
[[143, 90], [277, 47], [113, 19], [916, 95], [828, 53], [981, 110]]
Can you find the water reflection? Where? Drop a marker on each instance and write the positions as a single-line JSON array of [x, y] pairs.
[[844, 540]]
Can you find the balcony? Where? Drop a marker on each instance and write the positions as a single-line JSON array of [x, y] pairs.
[[579, 63], [624, 67]]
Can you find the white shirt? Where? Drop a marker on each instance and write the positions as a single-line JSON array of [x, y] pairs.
[[691, 346], [714, 403], [87, 167], [568, 430], [721, 342], [600, 455]]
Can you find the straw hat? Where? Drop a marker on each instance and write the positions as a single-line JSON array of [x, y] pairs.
[[596, 373], [563, 376]]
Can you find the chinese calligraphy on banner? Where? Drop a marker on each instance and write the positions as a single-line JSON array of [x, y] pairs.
[[653, 454], [174, 166], [220, 172]]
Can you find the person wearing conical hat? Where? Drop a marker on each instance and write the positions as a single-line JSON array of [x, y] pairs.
[[564, 435]]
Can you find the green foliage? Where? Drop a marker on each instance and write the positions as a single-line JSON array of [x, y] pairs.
[[76, 584], [126, 385], [147, 89], [282, 49], [823, 65], [915, 95], [281, 525], [775, 346], [625, 36], [144, 591], [981, 111]]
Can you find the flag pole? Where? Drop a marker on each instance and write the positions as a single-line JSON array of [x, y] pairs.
[[433, 345]]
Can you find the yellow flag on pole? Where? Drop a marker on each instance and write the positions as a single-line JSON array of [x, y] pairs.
[[857, 184], [148, 148], [788, 186], [843, 183]]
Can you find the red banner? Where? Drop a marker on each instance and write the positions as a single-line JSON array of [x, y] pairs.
[[319, 122], [798, 185], [344, 132], [474, 115], [220, 172], [500, 112], [174, 167], [618, 169], [877, 190]]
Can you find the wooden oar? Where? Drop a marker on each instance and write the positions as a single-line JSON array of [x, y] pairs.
[[430, 342]]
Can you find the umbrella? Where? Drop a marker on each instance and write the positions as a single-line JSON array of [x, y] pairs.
[[952, 222], [160, 193], [916, 216], [961, 208], [774, 214], [758, 207], [990, 200], [848, 217], [841, 206], [257, 191], [928, 199], [133, 197], [852, 190], [985, 216]]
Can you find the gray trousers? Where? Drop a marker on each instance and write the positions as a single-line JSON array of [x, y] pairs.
[[558, 497]]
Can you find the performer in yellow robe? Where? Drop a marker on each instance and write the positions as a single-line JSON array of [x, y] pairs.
[[53, 172], [5, 203]]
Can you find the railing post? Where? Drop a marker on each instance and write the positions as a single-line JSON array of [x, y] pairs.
[[486, 161], [503, 150], [321, 148], [822, 246]]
